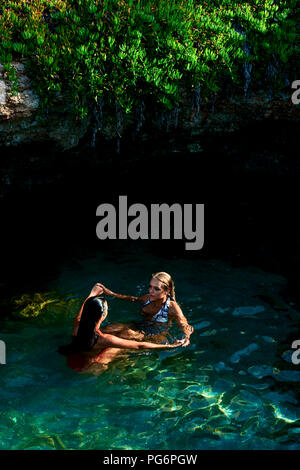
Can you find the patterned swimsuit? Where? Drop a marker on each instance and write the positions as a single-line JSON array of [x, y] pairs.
[[159, 321]]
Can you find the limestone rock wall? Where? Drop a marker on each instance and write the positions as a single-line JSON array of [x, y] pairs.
[[20, 124]]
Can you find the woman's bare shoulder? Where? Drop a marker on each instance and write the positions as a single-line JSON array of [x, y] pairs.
[[144, 298], [174, 307]]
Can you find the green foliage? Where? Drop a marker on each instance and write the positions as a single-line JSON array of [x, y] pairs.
[[125, 51]]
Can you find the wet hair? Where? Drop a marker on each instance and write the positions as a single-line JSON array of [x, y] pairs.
[[167, 282], [94, 309]]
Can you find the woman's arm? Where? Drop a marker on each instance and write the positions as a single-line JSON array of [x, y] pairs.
[[107, 291], [116, 342], [176, 313]]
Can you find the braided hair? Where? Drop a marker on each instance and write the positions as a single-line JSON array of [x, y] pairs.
[[167, 281]]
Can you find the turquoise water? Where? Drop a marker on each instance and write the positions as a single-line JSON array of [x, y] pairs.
[[232, 388]]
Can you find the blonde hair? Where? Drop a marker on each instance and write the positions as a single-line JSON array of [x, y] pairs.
[[168, 282]]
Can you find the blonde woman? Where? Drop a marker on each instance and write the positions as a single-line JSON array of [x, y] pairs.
[[159, 309]]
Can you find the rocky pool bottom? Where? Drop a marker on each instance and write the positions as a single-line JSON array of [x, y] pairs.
[[234, 387]]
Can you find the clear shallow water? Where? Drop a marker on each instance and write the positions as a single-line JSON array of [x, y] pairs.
[[232, 388]]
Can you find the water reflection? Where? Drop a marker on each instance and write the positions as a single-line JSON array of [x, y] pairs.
[[230, 389]]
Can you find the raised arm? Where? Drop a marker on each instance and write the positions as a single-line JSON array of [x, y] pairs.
[[176, 313], [107, 291]]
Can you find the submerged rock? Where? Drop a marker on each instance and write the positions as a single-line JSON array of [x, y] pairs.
[[199, 326], [276, 397], [243, 352], [221, 366], [223, 385], [261, 371], [245, 311], [279, 375]]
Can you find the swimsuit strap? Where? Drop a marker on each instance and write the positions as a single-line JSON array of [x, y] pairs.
[[167, 302], [162, 315]]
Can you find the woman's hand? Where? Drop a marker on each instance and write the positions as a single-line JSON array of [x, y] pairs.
[[177, 343], [185, 341], [180, 342], [98, 289], [105, 290]]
